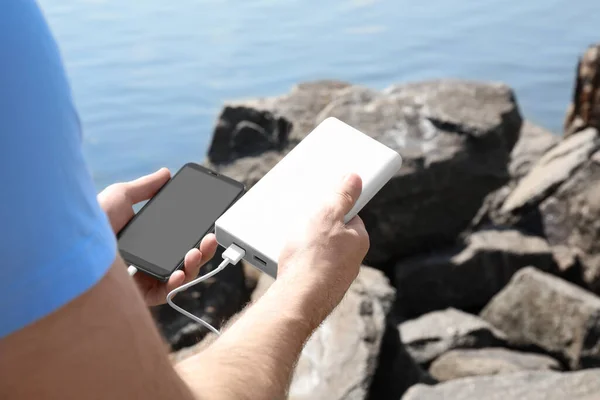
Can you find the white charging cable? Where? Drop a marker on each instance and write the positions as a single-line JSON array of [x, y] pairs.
[[232, 255]]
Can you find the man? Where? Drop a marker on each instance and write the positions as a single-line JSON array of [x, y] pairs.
[[72, 323]]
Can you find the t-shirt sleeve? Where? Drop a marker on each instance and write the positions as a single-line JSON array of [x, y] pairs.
[[55, 240]]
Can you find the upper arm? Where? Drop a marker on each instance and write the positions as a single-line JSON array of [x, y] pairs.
[[71, 326], [55, 240]]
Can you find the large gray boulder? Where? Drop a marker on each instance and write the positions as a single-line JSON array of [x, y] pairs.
[[452, 135], [557, 316], [438, 332], [468, 276], [341, 359], [466, 362], [558, 199], [296, 111], [538, 385]]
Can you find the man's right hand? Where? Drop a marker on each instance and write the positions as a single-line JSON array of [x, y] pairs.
[[259, 350], [322, 262]]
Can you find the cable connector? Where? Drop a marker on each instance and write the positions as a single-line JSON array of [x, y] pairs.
[[132, 270], [232, 255]]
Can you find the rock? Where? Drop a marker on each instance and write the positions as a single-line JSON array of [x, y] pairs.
[[462, 363], [435, 333], [214, 300], [293, 113], [243, 131], [341, 358], [452, 135], [557, 199], [533, 143], [396, 370], [531, 385], [304, 102], [468, 276], [584, 110], [557, 316], [553, 168]]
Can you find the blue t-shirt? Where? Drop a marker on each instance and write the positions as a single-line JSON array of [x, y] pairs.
[[55, 240]]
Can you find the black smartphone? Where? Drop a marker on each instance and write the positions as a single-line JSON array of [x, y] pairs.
[[176, 219]]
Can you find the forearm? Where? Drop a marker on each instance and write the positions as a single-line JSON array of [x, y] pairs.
[[255, 357]]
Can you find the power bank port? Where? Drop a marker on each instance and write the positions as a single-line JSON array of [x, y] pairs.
[[260, 260]]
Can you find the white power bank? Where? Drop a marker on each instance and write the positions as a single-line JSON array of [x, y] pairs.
[[261, 221]]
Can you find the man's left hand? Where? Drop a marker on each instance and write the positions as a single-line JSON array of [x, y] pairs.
[[118, 199]]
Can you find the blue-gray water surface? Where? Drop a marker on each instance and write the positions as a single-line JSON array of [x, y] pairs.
[[149, 76]]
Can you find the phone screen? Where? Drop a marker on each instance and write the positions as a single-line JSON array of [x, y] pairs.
[[174, 220]]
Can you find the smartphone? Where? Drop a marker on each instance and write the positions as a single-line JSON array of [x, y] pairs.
[[176, 219]]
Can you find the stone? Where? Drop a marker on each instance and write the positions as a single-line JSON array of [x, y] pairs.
[[296, 109], [341, 358], [447, 146], [560, 318], [396, 370], [467, 362], [214, 300], [534, 141], [584, 110], [301, 105], [558, 200], [530, 385], [553, 168], [244, 131], [435, 333], [469, 275]]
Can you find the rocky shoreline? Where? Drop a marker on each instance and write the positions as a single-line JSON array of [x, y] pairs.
[[483, 276]]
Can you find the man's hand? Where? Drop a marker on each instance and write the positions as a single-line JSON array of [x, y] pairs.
[[324, 259], [118, 199], [257, 354]]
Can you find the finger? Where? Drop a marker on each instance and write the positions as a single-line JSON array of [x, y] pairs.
[[195, 258], [175, 280], [208, 247], [192, 264], [145, 187], [346, 195]]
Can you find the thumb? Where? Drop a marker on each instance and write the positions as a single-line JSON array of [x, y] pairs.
[[145, 187], [346, 195]]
